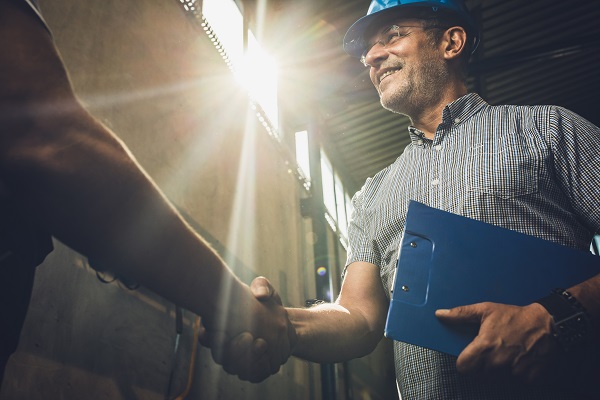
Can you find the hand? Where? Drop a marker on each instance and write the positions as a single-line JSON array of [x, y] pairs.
[[513, 342], [257, 352]]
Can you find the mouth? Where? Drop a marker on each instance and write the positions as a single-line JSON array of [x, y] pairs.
[[387, 73]]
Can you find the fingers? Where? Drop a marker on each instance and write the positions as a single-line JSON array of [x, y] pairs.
[[237, 354], [259, 347], [475, 358], [492, 362], [513, 343], [471, 314], [248, 359], [242, 355], [259, 372], [485, 353], [218, 342]]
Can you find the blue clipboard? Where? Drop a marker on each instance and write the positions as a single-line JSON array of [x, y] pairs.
[[446, 260]]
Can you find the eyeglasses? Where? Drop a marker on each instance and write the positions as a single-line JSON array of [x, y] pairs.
[[389, 37]]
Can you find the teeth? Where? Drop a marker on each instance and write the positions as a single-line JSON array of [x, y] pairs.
[[386, 74]]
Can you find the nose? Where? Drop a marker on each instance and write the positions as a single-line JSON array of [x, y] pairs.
[[375, 56]]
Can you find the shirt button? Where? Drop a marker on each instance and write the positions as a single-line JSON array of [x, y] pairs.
[[456, 120], [435, 182], [419, 142], [438, 147]]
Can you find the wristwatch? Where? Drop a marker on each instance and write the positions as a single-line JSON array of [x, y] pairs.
[[571, 322]]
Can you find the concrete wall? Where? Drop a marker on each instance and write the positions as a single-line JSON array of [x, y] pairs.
[[147, 72]]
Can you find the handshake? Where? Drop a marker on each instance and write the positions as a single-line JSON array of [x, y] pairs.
[[252, 336]]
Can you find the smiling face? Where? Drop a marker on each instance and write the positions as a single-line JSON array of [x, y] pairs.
[[407, 69]]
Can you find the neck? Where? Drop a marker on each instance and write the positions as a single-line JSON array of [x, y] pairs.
[[428, 118]]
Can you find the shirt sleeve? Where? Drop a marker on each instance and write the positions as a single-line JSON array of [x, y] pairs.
[[575, 146], [360, 244]]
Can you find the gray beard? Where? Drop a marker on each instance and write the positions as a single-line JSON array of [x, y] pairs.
[[423, 91]]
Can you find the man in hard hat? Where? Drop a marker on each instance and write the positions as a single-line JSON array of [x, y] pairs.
[[530, 169], [64, 174]]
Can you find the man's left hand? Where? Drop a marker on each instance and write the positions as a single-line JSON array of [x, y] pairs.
[[512, 341]]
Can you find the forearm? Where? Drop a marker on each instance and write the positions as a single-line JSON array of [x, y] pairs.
[[78, 182], [332, 333], [85, 188]]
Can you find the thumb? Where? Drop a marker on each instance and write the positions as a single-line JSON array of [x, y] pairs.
[[463, 314], [262, 289]]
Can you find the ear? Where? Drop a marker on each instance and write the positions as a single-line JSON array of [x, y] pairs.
[[453, 42]]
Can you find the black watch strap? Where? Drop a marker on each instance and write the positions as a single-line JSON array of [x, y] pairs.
[[571, 322]]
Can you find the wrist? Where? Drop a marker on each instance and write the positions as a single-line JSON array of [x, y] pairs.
[[571, 324], [304, 344], [232, 312]]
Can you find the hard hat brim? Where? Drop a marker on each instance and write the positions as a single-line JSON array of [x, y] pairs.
[[355, 42]]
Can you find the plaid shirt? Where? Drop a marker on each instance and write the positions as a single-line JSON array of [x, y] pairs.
[[532, 169]]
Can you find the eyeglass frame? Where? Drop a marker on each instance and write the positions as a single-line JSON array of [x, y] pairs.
[[384, 44]]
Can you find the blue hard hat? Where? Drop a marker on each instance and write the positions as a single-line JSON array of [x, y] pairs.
[[355, 43]]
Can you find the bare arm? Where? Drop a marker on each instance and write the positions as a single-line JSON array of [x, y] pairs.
[[349, 328], [85, 188]]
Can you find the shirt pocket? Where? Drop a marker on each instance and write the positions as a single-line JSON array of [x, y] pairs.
[[504, 170]]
